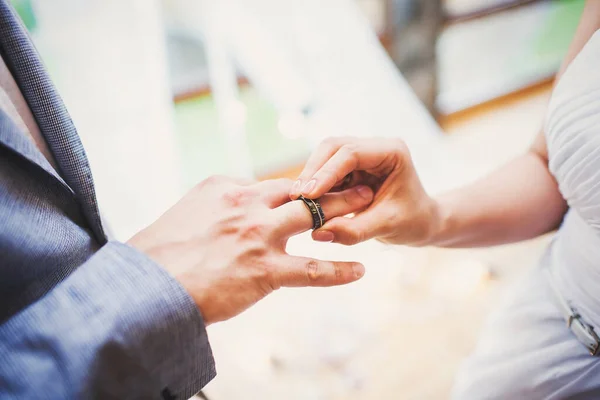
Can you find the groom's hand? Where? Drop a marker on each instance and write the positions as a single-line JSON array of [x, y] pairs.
[[225, 242]]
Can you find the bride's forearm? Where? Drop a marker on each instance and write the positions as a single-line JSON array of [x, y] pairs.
[[517, 202], [520, 200]]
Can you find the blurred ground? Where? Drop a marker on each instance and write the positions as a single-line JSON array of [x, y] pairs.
[[403, 330]]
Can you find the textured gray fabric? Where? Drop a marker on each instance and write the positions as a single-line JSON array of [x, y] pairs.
[[79, 317], [13, 103]]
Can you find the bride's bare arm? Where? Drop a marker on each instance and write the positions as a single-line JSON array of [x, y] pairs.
[[521, 199], [518, 201]]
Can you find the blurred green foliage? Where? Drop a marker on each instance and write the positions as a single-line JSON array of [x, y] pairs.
[[25, 11]]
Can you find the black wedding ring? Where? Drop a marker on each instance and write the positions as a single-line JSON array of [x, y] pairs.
[[316, 211]]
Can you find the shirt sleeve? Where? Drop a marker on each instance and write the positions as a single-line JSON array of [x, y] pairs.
[[118, 327]]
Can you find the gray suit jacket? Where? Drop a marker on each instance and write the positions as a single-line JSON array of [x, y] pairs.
[[80, 317]]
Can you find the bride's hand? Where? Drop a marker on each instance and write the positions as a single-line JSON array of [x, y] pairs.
[[401, 212]]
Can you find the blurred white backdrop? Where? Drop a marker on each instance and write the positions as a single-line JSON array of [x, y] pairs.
[[107, 59]]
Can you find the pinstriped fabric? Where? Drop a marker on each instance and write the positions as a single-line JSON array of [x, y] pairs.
[[50, 113], [41, 235]]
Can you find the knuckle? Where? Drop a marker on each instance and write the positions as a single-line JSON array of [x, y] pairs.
[[253, 231], [350, 149], [252, 253], [231, 198], [351, 154], [338, 272], [238, 196], [258, 250], [312, 271]]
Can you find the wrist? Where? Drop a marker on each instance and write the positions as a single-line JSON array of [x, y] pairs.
[[200, 294], [186, 280], [440, 221]]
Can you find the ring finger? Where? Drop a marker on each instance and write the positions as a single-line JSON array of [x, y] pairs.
[[294, 217]]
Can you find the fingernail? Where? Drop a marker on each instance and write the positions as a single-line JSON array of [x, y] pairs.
[[359, 270], [365, 192], [309, 187], [296, 187], [323, 236]]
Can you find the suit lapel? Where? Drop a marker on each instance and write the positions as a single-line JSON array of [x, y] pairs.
[[50, 113], [12, 138]]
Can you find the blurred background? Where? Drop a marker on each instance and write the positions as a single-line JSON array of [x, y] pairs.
[[166, 93]]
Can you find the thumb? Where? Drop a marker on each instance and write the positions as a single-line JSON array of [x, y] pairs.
[[351, 231]]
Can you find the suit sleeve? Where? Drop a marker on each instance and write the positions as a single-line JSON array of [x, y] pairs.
[[118, 327]]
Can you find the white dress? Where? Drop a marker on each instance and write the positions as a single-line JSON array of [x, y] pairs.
[[526, 350]]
